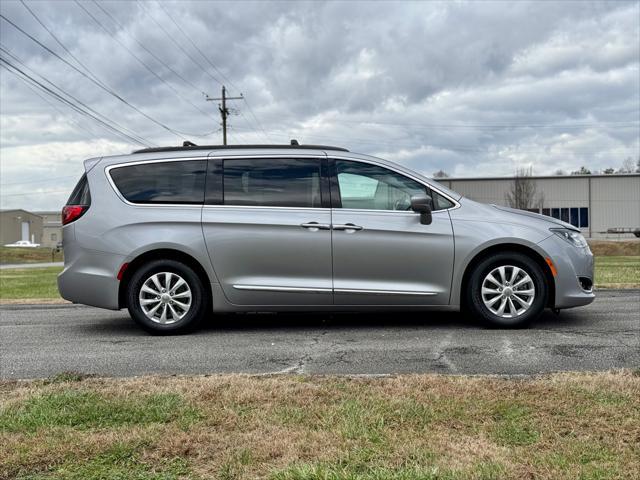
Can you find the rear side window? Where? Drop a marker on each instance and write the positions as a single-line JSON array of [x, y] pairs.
[[162, 182], [80, 194], [289, 182]]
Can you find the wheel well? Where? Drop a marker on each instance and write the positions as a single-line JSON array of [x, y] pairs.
[[165, 253], [510, 247]]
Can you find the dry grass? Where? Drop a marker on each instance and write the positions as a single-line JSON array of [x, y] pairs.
[[29, 255], [617, 248], [562, 426]]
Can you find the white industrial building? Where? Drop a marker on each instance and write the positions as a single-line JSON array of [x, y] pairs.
[[596, 204]]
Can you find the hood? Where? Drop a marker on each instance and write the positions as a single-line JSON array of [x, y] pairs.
[[536, 216]]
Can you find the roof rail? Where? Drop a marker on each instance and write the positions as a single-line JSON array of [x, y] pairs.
[[190, 146]]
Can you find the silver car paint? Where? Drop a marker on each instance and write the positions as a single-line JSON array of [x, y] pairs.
[[393, 262]]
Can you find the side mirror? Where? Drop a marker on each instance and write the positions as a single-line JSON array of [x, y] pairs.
[[422, 205]]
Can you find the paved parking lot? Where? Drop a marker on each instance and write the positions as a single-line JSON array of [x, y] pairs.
[[38, 341]]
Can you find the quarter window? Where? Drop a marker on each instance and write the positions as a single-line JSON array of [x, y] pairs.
[[287, 182], [162, 182]]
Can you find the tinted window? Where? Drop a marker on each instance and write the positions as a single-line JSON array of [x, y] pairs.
[[265, 182], [439, 202], [365, 186], [162, 182], [80, 194]]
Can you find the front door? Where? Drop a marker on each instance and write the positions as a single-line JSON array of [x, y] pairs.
[[382, 254], [267, 233]]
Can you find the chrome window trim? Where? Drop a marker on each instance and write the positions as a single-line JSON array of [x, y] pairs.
[[108, 168], [404, 174], [316, 209]]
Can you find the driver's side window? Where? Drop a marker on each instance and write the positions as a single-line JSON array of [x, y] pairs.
[[369, 187]]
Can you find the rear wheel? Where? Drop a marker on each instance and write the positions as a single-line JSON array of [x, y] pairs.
[[166, 296], [507, 290]]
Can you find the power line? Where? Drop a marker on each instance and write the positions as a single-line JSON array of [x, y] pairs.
[[91, 133], [89, 112], [198, 49], [121, 129], [138, 59], [159, 60], [58, 41], [175, 42], [205, 70], [108, 90]]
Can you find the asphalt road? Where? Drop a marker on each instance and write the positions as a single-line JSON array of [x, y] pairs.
[[39, 341]]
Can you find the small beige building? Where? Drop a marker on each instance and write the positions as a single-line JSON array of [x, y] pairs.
[[20, 225], [594, 203], [51, 228]]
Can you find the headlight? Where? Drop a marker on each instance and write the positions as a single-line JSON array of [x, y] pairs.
[[574, 238]]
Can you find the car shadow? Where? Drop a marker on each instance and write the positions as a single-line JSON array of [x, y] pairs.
[[122, 325]]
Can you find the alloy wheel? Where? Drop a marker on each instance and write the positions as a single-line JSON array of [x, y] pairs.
[[508, 291], [165, 297]]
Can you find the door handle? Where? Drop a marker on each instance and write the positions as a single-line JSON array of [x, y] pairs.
[[348, 227], [315, 226]]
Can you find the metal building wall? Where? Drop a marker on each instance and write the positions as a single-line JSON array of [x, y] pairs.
[[615, 202]]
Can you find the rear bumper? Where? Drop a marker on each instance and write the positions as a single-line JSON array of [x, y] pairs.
[[570, 263], [89, 277]]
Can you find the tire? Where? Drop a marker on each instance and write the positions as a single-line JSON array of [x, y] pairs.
[[528, 299], [171, 301]]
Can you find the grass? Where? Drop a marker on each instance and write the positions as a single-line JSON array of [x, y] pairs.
[[29, 283], [617, 272], [562, 426], [28, 255]]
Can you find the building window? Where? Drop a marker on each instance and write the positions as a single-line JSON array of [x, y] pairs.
[[576, 216], [54, 237], [584, 217]]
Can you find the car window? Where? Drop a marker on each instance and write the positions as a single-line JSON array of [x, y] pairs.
[[81, 194], [370, 187], [162, 182], [279, 182]]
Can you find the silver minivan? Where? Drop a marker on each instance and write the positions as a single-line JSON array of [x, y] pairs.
[[174, 234]]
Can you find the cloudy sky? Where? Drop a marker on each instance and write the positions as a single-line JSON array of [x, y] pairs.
[[474, 88]]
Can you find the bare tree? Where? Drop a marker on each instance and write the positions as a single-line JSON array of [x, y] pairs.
[[627, 166], [440, 174], [523, 193], [559, 172]]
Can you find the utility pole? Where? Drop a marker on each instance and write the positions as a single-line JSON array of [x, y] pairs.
[[224, 111]]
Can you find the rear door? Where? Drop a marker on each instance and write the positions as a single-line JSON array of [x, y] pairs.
[[382, 254], [266, 224]]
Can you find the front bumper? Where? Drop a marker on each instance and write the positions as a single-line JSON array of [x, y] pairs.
[[571, 263]]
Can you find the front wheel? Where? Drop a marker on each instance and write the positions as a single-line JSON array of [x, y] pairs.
[[166, 296], [507, 290]]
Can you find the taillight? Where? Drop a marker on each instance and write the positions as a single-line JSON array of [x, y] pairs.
[[71, 213]]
